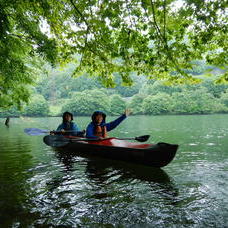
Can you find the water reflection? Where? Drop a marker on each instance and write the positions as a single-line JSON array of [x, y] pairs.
[[15, 160], [103, 172]]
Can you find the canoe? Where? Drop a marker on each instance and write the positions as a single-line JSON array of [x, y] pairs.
[[155, 155]]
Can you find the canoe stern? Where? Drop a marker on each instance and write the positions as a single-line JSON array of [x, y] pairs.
[[160, 154]]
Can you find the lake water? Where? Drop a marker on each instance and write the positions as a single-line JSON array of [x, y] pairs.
[[40, 187]]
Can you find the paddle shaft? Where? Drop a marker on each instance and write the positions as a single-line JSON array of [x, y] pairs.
[[37, 131], [101, 139], [60, 140]]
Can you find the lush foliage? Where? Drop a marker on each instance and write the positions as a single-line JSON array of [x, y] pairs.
[[86, 102], [13, 111], [59, 84], [152, 99], [38, 106], [195, 102], [155, 38], [149, 37], [117, 105], [157, 104], [182, 100], [224, 98], [20, 41], [136, 103]]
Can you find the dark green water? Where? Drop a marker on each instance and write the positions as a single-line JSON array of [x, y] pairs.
[[39, 187]]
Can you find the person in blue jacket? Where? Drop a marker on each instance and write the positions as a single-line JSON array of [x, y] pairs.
[[68, 127], [98, 128]]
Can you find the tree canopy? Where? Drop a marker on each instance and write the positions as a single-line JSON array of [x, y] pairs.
[[157, 38]]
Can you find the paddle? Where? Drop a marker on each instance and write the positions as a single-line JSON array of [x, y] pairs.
[[60, 141], [142, 138], [37, 131]]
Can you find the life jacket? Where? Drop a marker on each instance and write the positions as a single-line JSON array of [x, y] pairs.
[[100, 131], [67, 126]]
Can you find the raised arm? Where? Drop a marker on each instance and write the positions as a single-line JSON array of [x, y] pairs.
[[113, 124]]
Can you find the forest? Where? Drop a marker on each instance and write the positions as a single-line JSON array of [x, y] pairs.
[[170, 55], [57, 92]]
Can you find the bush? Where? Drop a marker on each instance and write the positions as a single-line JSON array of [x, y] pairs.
[[224, 98], [37, 106], [136, 103], [157, 104], [85, 103], [195, 102], [118, 105], [159, 87], [10, 112]]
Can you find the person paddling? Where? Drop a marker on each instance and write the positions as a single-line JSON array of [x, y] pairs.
[[98, 128], [68, 127]]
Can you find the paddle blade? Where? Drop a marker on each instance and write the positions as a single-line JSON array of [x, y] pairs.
[[35, 131], [142, 138], [56, 140]]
